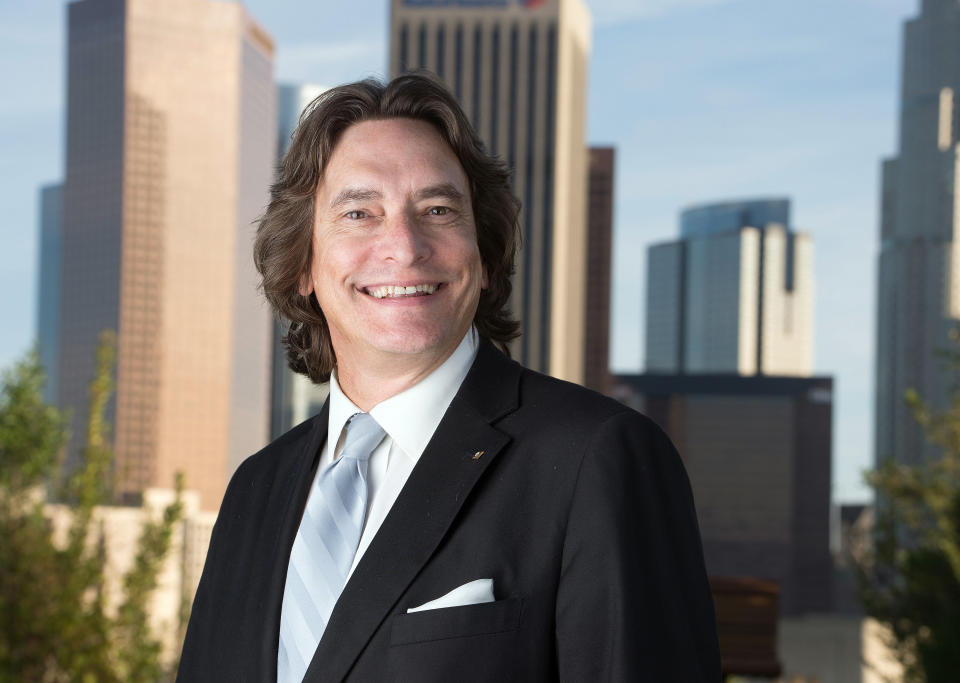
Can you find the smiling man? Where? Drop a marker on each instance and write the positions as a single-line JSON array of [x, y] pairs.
[[396, 267], [448, 515]]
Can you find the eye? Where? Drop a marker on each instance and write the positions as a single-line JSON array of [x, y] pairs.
[[356, 215], [438, 210]]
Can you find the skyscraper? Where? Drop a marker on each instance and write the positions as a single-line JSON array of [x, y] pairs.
[[733, 295], [918, 297], [48, 286], [519, 70], [596, 362], [170, 152]]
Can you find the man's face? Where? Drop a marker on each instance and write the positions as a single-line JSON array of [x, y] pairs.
[[396, 267]]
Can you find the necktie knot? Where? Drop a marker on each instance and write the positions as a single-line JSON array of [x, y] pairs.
[[363, 435]]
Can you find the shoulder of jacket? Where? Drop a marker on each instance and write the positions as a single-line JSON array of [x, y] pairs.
[[287, 445], [553, 393]]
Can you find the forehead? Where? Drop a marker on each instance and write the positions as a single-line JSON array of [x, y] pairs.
[[392, 152]]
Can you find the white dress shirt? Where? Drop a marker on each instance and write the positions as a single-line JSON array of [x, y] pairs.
[[409, 418]]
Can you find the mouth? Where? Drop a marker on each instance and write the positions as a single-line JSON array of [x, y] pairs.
[[401, 291]]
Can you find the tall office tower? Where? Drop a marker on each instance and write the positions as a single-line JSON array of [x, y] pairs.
[[48, 286], [733, 295], [918, 294], [519, 70], [596, 360], [293, 396], [170, 152]]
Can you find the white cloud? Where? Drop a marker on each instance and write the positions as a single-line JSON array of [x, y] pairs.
[[607, 12]]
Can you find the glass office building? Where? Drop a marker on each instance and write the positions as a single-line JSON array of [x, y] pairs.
[[732, 295]]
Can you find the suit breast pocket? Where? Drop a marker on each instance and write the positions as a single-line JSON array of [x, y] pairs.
[[486, 618], [463, 644]]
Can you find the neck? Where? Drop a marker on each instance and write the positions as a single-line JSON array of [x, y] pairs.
[[371, 378], [367, 386]]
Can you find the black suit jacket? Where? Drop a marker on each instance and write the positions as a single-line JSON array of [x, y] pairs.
[[577, 506]]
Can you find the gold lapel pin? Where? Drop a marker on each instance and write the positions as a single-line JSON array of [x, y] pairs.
[[476, 456]]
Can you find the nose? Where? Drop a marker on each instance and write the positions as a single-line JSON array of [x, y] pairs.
[[403, 240]]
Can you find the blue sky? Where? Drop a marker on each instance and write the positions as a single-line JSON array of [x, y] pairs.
[[704, 100]]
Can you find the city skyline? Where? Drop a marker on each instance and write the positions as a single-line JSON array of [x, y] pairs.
[[703, 100]]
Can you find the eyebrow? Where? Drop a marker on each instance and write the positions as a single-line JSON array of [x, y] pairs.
[[354, 194], [442, 190], [361, 194]]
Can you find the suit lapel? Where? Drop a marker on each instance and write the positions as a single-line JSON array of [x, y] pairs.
[[290, 497], [422, 514]]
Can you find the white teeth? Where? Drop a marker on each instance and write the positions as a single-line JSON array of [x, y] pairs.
[[399, 290]]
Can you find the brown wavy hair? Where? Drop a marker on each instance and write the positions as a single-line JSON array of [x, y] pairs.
[[283, 251]]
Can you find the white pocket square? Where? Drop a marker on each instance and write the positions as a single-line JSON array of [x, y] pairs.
[[471, 593]]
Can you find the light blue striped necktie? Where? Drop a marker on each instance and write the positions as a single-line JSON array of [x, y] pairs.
[[324, 548]]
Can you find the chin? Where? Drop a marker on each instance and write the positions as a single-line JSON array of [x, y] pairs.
[[410, 347], [417, 344]]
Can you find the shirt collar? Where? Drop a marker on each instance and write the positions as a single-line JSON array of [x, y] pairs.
[[411, 417], [341, 410]]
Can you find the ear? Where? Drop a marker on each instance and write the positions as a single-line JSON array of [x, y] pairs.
[[306, 284], [484, 280]]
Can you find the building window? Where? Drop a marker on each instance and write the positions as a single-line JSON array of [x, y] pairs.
[[512, 108], [422, 47], [548, 176], [404, 33], [441, 48], [458, 63], [528, 187], [495, 89], [477, 63]]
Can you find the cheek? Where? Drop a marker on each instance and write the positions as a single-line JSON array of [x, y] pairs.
[[330, 264]]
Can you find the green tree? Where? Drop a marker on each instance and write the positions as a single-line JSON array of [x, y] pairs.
[[910, 577], [54, 622]]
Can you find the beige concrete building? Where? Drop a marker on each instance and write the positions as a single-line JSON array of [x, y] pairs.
[[836, 648], [520, 69], [170, 152], [120, 528]]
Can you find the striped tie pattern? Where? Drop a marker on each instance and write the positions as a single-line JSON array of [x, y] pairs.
[[324, 549]]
